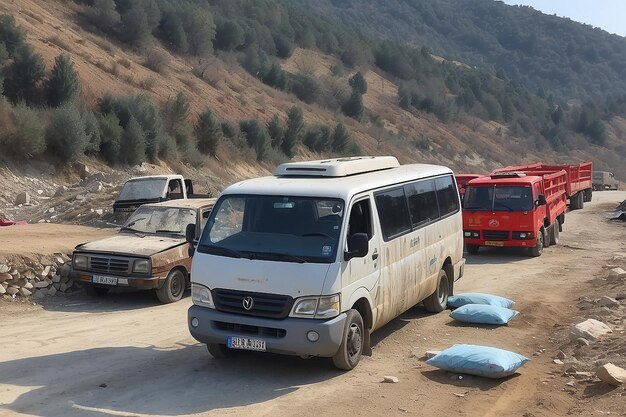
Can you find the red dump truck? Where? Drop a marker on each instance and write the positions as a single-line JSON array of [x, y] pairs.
[[463, 179], [519, 208], [579, 185]]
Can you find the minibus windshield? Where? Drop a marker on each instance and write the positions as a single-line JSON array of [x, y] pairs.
[[498, 198], [274, 228]]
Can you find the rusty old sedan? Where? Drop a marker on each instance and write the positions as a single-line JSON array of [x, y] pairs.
[[149, 253]]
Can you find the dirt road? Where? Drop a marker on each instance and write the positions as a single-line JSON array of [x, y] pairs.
[[126, 355]]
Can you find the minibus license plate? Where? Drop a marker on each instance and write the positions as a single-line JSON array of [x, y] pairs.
[[246, 343], [493, 243], [97, 279]]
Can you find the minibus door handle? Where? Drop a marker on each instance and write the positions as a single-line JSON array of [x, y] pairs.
[[375, 255]]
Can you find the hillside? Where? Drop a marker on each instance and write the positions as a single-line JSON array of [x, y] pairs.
[[465, 137], [557, 55]]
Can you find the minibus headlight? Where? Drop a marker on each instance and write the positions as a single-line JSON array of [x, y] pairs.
[[201, 296], [328, 307], [80, 261], [305, 307], [317, 307]]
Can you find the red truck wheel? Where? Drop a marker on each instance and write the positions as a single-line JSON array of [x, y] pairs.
[[538, 249], [554, 233]]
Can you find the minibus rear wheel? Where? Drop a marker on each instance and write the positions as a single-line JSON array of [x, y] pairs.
[[349, 353], [438, 300]]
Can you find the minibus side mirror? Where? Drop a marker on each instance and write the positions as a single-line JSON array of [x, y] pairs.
[[358, 246], [541, 200], [190, 237]]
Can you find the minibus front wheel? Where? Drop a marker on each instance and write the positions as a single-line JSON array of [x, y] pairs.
[[438, 300], [349, 353]]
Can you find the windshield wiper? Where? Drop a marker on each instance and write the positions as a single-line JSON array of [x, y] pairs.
[[128, 226], [225, 251], [503, 205], [293, 258], [178, 232], [130, 229], [316, 234]]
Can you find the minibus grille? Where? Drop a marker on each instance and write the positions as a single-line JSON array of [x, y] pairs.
[[496, 234], [263, 305], [245, 329]]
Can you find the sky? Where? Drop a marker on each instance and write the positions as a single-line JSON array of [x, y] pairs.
[[609, 15]]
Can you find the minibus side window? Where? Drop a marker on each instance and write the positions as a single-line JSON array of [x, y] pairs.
[[360, 219], [447, 195], [422, 202], [393, 213]]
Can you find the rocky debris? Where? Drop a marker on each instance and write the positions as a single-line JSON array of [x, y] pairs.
[[607, 302], [37, 279], [589, 329], [611, 374], [581, 341], [616, 274], [82, 169], [390, 379], [560, 355], [22, 198]]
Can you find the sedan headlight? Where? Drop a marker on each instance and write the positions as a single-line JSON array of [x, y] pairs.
[[80, 261], [141, 266], [317, 307], [201, 296]]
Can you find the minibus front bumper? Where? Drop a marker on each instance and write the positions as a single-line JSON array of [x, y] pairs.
[[286, 336]]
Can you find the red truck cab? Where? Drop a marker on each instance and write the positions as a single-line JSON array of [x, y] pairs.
[[463, 179], [514, 209]]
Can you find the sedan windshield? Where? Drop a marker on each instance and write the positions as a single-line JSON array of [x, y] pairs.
[[498, 198], [276, 228], [142, 189], [160, 220]]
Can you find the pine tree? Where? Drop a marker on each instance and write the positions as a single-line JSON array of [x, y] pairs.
[[340, 139], [175, 112], [208, 133], [104, 15], [354, 106], [200, 29], [295, 123], [135, 28], [358, 83], [63, 84], [24, 75], [111, 133], [276, 130], [65, 134], [133, 147]]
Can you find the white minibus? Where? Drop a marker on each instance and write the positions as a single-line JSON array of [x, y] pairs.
[[312, 260]]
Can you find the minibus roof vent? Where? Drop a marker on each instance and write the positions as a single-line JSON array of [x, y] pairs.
[[340, 167], [505, 174]]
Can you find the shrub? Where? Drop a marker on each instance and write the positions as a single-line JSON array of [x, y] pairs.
[[172, 32], [111, 134], [103, 15], [11, 35], [208, 133], [65, 134], [23, 76], [256, 136], [317, 138], [134, 27], [341, 138], [157, 61], [133, 146], [306, 87], [295, 123], [358, 83], [284, 46], [276, 130], [354, 106], [228, 35], [175, 112], [28, 139], [200, 30], [92, 131], [276, 77], [63, 84]]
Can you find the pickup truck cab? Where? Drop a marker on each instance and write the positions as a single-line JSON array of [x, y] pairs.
[[310, 261], [151, 189], [149, 253]]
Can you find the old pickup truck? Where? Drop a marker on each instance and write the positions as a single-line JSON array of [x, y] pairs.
[[149, 253], [152, 189]]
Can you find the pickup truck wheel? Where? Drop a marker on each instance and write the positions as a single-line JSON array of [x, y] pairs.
[[438, 300], [472, 249], [538, 249], [349, 353], [173, 287], [554, 233], [219, 351]]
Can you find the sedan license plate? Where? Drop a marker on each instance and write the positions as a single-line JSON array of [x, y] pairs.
[[493, 243], [98, 279], [246, 343]]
